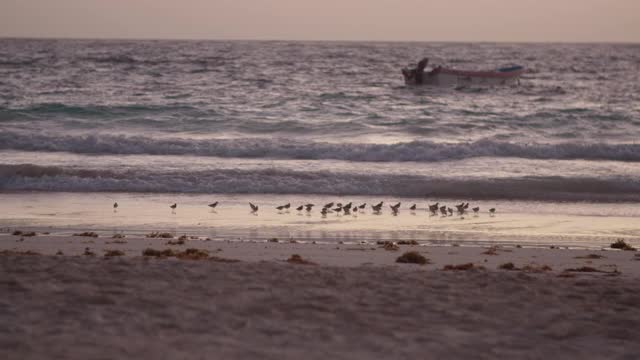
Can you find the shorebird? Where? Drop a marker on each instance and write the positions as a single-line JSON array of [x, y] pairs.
[[395, 207], [115, 207], [413, 207], [287, 205], [476, 209], [450, 210], [466, 206], [280, 208], [299, 208], [309, 206], [460, 209], [326, 206], [173, 208], [377, 207], [492, 211], [254, 208], [362, 206], [347, 207], [434, 208], [443, 210], [324, 211], [213, 205], [338, 209]]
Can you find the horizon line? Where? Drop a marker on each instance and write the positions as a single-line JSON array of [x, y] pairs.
[[613, 42]]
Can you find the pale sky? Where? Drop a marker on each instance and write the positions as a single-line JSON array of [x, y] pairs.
[[380, 20]]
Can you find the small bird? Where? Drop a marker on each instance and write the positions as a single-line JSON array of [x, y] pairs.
[[395, 207], [362, 206], [347, 207], [443, 210], [173, 208], [280, 208], [254, 208], [476, 209], [379, 205], [450, 210], [324, 211], [338, 209], [460, 209], [413, 207], [309, 207], [492, 211], [326, 206], [213, 205], [466, 206], [434, 208], [288, 205], [115, 207], [299, 208]]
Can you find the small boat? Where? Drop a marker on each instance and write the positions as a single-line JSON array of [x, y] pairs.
[[442, 76]]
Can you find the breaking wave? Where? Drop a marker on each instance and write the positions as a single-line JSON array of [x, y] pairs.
[[282, 181], [418, 151]]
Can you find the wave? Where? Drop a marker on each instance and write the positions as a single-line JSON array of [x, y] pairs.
[[46, 109], [418, 151], [29, 177]]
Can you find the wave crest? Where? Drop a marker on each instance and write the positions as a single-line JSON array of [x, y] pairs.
[[419, 151]]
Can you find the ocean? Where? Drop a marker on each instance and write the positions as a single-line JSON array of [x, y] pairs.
[[272, 120]]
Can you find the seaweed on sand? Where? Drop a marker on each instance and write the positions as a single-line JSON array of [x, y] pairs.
[[622, 245], [463, 267], [412, 257], [297, 259], [87, 234], [112, 253]]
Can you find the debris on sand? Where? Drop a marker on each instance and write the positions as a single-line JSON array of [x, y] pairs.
[[622, 245], [192, 254], [508, 266], [180, 241], [118, 236], [537, 268], [112, 253], [13, 252], [162, 235], [188, 254], [583, 269], [408, 242], [412, 257], [273, 240], [158, 253], [87, 234], [24, 233], [389, 246], [491, 251], [463, 267], [297, 259], [590, 257]]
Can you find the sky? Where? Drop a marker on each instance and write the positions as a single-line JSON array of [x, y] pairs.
[[375, 20]]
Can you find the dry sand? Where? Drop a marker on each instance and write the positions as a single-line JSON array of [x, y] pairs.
[[357, 303]]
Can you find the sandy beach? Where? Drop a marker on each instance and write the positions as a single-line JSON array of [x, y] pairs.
[[243, 300]]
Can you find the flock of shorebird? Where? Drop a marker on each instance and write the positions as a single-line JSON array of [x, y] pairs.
[[434, 209]]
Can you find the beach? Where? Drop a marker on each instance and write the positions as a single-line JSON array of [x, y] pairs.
[[112, 154], [354, 303]]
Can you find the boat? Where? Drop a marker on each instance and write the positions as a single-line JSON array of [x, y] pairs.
[[443, 76]]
